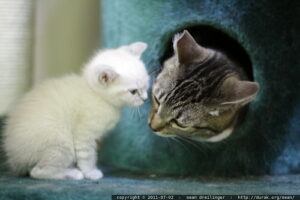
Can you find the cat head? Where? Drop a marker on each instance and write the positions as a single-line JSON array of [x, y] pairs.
[[119, 75], [198, 93]]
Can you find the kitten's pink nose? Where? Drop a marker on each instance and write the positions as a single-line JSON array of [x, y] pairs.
[[144, 96]]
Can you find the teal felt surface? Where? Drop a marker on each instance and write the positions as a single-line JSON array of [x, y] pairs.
[[268, 31], [25, 188]]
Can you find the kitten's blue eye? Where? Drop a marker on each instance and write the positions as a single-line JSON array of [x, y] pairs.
[[133, 92]]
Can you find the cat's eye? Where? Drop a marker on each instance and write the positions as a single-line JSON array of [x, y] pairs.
[[174, 121], [134, 91]]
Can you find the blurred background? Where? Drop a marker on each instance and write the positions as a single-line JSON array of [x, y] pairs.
[[41, 39]]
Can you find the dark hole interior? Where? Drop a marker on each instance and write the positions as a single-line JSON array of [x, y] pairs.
[[208, 36]]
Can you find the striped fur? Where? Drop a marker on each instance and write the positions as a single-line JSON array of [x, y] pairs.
[[200, 81], [190, 90]]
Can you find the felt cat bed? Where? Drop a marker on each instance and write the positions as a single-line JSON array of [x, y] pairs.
[[262, 35]]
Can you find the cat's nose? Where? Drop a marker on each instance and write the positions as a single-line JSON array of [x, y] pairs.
[[156, 123], [155, 128]]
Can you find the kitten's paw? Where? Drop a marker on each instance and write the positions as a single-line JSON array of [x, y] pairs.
[[94, 174], [74, 174]]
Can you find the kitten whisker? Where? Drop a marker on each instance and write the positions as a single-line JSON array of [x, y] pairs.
[[136, 114], [144, 113], [147, 100], [154, 71], [139, 113], [131, 113]]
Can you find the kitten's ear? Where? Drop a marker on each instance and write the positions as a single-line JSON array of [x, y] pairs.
[[239, 92], [107, 76], [187, 49], [137, 48]]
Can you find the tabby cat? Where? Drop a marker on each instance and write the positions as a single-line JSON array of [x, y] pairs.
[[199, 93]]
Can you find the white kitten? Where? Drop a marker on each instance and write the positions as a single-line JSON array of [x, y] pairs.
[[52, 132]]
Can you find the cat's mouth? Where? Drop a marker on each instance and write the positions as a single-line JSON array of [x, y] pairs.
[[161, 130], [161, 134], [203, 134]]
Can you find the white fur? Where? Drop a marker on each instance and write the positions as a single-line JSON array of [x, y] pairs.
[[52, 132], [214, 113], [221, 136]]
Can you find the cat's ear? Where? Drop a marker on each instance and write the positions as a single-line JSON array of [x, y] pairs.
[[107, 76], [239, 92], [187, 49], [136, 48]]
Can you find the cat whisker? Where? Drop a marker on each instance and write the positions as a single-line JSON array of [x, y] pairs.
[[169, 142], [193, 143], [180, 143]]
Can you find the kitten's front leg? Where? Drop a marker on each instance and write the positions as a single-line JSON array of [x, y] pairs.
[[86, 156]]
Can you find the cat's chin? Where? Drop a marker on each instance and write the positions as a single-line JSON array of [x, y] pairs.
[[217, 138], [163, 134]]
